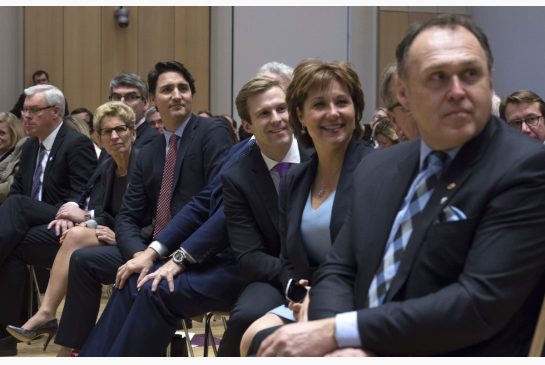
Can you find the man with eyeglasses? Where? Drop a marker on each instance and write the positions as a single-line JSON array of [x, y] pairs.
[[400, 117], [56, 163], [523, 110], [130, 89]]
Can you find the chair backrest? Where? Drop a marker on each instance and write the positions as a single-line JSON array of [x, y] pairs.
[[536, 348]]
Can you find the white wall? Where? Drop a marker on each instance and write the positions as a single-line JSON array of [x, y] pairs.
[[516, 36], [289, 35], [11, 51]]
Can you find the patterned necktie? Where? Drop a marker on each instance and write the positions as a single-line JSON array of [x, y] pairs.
[[414, 203], [282, 168], [162, 216], [36, 180]]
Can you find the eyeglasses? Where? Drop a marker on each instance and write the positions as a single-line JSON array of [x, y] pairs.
[[530, 121], [118, 130], [35, 110], [129, 97]]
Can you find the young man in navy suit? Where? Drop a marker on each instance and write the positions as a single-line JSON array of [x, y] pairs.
[[443, 251], [160, 185]]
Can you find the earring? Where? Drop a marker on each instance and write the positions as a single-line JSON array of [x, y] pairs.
[[303, 130]]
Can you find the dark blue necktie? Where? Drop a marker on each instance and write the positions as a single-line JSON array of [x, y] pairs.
[[36, 179]]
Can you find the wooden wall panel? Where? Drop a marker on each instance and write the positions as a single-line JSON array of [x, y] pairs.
[[44, 43], [192, 48], [82, 57], [82, 48], [155, 36], [119, 50]]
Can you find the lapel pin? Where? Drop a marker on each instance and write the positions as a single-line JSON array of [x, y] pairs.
[[443, 200], [451, 186]]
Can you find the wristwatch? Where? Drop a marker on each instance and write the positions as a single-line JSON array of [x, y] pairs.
[[87, 216], [180, 257]]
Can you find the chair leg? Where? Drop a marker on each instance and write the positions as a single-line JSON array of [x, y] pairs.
[[187, 340]]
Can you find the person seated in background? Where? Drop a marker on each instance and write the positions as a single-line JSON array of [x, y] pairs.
[[277, 71], [384, 133], [401, 118], [443, 250], [55, 166], [115, 125], [11, 142], [86, 116], [524, 110], [153, 117], [325, 103], [230, 124]]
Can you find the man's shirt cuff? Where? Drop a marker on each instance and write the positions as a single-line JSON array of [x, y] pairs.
[[158, 247], [347, 332]]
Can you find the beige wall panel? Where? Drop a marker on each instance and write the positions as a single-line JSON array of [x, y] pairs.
[[44, 43], [119, 50], [392, 27], [192, 48], [82, 56], [155, 36]]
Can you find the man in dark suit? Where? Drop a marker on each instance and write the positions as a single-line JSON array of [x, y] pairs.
[[251, 203], [159, 186], [55, 165], [459, 269], [130, 89]]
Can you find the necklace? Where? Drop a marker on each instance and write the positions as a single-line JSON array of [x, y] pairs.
[[321, 192]]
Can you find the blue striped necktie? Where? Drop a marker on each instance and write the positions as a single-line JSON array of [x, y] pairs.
[[414, 203], [36, 179]]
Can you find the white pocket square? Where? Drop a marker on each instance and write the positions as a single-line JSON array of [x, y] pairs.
[[451, 214]]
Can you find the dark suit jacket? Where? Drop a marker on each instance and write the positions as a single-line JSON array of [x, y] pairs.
[[251, 212], [200, 155], [72, 161], [293, 196], [467, 287]]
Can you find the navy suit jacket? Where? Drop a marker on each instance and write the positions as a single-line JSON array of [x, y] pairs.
[[72, 160], [251, 210], [293, 196], [464, 287], [201, 151]]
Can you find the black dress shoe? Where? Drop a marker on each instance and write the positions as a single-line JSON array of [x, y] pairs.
[[48, 329], [8, 346]]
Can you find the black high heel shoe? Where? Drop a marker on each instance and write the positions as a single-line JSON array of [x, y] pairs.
[[48, 329]]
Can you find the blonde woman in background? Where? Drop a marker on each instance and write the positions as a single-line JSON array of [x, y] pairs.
[[11, 142]]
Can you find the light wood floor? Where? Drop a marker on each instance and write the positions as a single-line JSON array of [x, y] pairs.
[[36, 348]]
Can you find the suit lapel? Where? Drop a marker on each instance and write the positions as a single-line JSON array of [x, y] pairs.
[[449, 184], [187, 138], [387, 200], [264, 186]]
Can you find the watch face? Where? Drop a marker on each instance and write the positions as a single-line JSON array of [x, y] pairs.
[[178, 257]]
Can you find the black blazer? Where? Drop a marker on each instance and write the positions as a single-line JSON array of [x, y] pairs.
[[293, 196], [72, 161], [466, 287], [201, 151], [252, 217]]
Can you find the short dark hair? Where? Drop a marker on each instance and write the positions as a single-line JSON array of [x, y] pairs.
[[450, 21], [519, 97], [169, 66], [128, 79], [38, 73]]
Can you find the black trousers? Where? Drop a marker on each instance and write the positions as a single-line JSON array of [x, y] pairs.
[[90, 267], [24, 239], [255, 300]]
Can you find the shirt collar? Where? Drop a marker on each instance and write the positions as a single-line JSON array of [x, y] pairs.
[[49, 140], [179, 131], [425, 150], [292, 156]]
